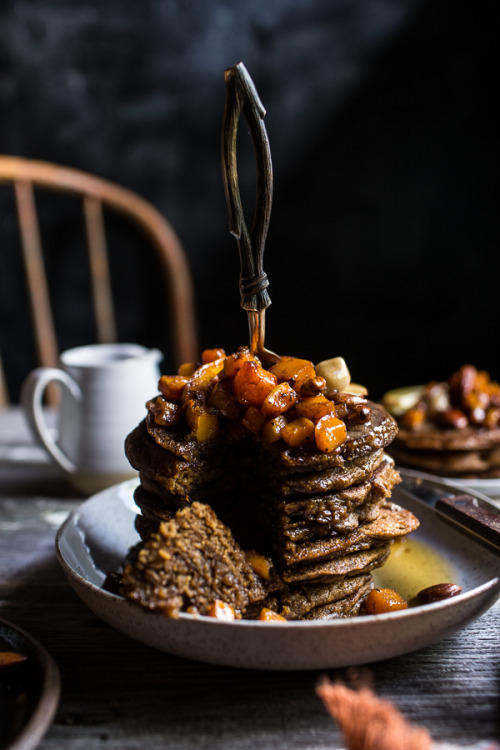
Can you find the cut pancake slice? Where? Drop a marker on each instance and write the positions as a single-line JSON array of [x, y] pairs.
[[191, 562]]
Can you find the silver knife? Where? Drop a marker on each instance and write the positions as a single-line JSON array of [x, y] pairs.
[[473, 512]]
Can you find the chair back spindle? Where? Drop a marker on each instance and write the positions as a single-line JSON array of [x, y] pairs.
[[98, 196], [99, 270]]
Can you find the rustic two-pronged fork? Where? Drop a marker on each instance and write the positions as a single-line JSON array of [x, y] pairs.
[[242, 97]]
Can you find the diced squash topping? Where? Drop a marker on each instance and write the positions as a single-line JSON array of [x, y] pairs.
[[271, 432], [285, 402], [203, 423], [252, 384], [298, 432], [384, 600], [187, 369], [164, 413], [261, 565], [294, 371], [315, 407], [210, 355], [172, 386], [203, 376], [192, 411], [221, 611], [279, 400], [269, 615], [233, 362], [329, 433], [207, 427]]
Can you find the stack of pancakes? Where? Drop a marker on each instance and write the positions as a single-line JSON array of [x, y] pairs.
[[320, 518], [450, 428]]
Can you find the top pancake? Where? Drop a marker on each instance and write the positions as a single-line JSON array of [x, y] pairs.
[[181, 463]]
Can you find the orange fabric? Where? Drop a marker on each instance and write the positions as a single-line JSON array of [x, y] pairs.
[[368, 722]]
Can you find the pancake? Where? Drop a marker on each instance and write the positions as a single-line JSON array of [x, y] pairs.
[[313, 518], [347, 565], [391, 523], [321, 600], [188, 564], [299, 476]]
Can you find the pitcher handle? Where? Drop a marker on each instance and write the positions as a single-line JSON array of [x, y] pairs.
[[32, 392]]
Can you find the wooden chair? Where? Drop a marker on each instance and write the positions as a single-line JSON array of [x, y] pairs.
[[97, 195]]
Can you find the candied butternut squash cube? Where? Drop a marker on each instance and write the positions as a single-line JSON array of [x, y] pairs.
[[252, 383], [314, 408], [210, 355], [172, 386], [253, 419], [271, 432], [329, 433], [203, 378], [270, 615], [201, 422], [187, 369], [294, 371], [192, 410], [279, 400], [379, 601], [165, 413], [260, 564], [221, 611], [207, 427], [298, 432], [233, 362]]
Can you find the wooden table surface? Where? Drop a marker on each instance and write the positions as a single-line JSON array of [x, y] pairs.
[[119, 694]]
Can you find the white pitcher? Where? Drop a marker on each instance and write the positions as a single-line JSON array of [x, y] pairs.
[[104, 389]]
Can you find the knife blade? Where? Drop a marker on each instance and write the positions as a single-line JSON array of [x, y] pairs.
[[475, 514]]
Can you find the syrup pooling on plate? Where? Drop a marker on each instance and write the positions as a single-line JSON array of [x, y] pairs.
[[412, 566]]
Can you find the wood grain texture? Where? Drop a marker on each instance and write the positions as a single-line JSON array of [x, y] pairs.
[[122, 695]]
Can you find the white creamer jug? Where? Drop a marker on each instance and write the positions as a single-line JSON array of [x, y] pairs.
[[104, 389]]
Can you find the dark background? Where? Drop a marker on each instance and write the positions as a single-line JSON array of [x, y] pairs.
[[383, 124]]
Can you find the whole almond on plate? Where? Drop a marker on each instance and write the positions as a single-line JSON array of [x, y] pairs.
[[438, 592]]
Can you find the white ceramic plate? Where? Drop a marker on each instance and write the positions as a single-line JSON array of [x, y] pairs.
[[96, 537]]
